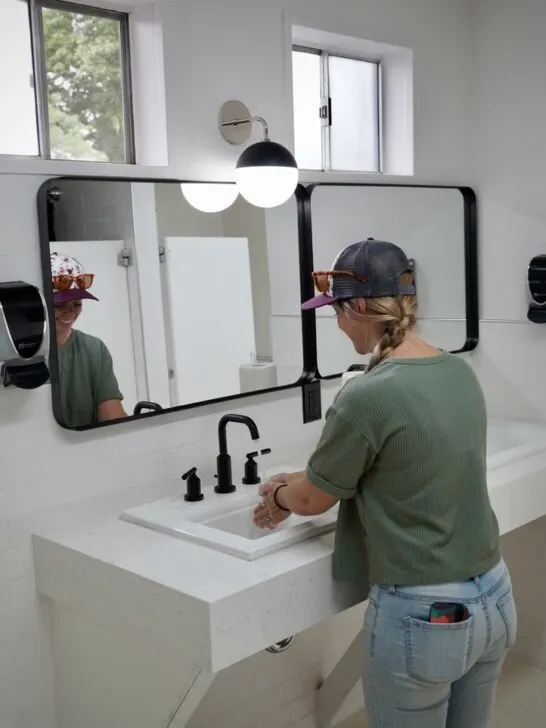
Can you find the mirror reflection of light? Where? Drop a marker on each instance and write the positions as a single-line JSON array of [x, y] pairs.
[[207, 197]]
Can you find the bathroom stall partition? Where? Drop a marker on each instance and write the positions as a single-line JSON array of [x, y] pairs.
[[210, 324]]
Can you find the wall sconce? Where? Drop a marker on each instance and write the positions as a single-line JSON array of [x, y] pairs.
[[210, 197], [266, 173]]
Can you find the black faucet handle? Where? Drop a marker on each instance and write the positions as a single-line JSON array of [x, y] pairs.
[[251, 476], [193, 489], [265, 451]]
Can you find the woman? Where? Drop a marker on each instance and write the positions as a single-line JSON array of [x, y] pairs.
[[88, 385], [404, 451]]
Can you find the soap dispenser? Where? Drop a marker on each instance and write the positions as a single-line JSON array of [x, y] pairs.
[[23, 340], [193, 486]]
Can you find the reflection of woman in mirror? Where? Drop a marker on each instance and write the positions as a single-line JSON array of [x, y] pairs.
[[88, 385], [403, 451]]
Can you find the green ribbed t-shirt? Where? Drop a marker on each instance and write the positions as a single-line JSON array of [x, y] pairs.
[[86, 378], [404, 449]]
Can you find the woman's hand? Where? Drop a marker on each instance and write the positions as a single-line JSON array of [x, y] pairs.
[[298, 495], [268, 514]]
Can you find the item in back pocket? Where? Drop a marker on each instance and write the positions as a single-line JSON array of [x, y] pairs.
[[448, 613]]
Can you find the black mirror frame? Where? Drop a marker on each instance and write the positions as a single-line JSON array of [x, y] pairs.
[[310, 345], [309, 355]]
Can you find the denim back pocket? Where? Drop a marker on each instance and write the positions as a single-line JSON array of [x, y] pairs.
[[438, 652], [507, 608]]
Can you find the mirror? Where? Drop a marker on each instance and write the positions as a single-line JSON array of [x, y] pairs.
[[433, 225], [192, 307]]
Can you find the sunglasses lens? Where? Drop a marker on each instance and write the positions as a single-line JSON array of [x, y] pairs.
[[322, 283], [85, 281], [62, 282]]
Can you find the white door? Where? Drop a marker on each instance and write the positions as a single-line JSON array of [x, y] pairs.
[[109, 318], [210, 315]]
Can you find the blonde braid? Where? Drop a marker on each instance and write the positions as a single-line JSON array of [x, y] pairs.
[[395, 330], [398, 314]]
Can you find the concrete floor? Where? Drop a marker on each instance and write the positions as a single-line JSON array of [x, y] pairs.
[[521, 700]]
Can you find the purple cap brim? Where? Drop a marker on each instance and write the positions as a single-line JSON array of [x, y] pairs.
[[73, 294], [318, 302]]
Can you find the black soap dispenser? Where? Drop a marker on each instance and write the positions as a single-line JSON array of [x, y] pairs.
[[193, 486], [251, 467]]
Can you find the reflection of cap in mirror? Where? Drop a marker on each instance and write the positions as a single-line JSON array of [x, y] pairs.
[[69, 280]]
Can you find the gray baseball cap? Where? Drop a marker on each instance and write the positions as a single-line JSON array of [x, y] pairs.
[[369, 269]]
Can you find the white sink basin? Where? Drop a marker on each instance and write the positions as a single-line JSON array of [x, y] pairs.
[[225, 523]]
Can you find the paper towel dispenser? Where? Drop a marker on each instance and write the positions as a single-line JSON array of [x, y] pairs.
[[23, 329], [536, 288]]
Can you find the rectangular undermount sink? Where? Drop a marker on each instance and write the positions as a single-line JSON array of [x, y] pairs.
[[225, 523]]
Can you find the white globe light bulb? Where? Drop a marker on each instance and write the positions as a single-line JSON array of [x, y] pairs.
[[209, 197], [266, 186]]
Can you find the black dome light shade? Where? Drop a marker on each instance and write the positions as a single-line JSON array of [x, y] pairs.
[[266, 154]]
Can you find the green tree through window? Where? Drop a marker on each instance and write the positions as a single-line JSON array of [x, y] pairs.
[[84, 86]]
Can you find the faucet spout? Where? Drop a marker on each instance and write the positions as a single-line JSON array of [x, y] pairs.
[[241, 419], [223, 460]]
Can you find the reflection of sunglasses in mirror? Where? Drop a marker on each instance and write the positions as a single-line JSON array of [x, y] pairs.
[[64, 281], [322, 279]]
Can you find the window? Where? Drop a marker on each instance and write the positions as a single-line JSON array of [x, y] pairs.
[[336, 111], [65, 82]]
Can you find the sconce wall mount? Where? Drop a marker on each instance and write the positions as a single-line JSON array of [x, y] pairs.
[[235, 122]]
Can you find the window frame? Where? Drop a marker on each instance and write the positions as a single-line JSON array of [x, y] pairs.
[[36, 28], [325, 99]]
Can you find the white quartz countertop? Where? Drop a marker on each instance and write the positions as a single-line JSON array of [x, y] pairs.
[[155, 586], [198, 571]]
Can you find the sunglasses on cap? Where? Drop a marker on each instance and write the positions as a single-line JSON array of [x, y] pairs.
[[64, 281], [323, 279]]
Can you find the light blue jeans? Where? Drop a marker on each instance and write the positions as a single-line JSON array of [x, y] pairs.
[[423, 675]]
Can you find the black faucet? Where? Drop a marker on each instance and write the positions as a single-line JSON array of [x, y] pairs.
[[223, 461], [139, 406]]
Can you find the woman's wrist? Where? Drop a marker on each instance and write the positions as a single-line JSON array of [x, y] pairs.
[[278, 500]]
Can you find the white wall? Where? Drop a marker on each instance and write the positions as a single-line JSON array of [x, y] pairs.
[[509, 152], [244, 220], [91, 211], [214, 51], [510, 161], [285, 293]]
